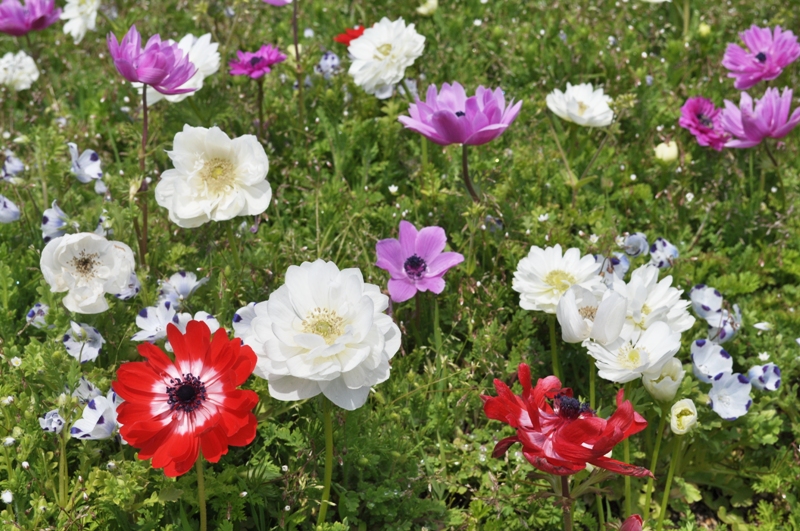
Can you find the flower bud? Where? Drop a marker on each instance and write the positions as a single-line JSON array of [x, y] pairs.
[[664, 386], [704, 29], [667, 152], [683, 416]]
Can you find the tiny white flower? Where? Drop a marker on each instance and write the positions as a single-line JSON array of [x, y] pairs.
[[594, 238], [581, 104], [82, 17], [544, 217], [308, 33], [689, 197], [52, 422], [620, 241], [683, 416], [16, 362], [625, 360], [428, 8], [765, 377], [83, 342], [393, 189], [7, 496], [382, 54], [710, 361], [706, 301], [25, 465], [664, 386], [7, 401], [765, 327], [730, 396], [284, 468], [215, 178], [667, 152], [763, 356], [287, 508], [9, 441], [18, 71]]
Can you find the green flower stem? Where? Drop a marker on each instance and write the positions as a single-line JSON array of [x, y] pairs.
[[668, 486], [568, 503], [298, 67], [573, 182], [654, 460], [592, 382], [465, 174], [777, 172], [687, 14], [326, 491], [260, 83], [601, 517], [201, 493], [63, 472], [234, 245], [626, 449], [554, 347]]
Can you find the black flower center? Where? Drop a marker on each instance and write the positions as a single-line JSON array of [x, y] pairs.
[[570, 408], [186, 394], [255, 60], [415, 267], [460, 113], [705, 120], [761, 56]]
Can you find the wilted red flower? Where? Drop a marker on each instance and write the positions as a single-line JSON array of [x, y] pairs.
[[174, 409], [633, 523], [559, 434], [349, 35]]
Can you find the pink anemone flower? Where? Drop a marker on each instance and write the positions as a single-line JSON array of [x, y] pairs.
[[35, 15], [450, 117], [702, 119], [769, 119], [770, 51], [256, 64], [416, 261]]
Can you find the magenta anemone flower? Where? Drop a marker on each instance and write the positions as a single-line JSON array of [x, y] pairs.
[[702, 119], [450, 117], [161, 65], [415, 262], [256, 64], [35, 15], [770, 51], [769, 119]]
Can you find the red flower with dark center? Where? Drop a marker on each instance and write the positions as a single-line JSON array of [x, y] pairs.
[[173, 410], [349, 35], [560, 435]]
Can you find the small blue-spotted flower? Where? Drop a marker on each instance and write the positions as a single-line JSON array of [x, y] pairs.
[[83, 342], [722, 326], [131, 289], [99, 419], [730, 396], [9, 212], [242, 319], [636, 244], [663, 253], [179, 287], [35, 316], [53, 222], [615, 266], [765, 377], [86, 167], [710, 361], [12, 167], [706, 301], [85, 390], [153, 322], [52, 422], [104, 227], [329, 65]]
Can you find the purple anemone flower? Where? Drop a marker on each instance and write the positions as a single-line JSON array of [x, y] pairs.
[[278, 3], [702, 119], [161, 65], [416, 261], [769, 119], [256, 64], [449, 117], [770, 51], [35, 15]]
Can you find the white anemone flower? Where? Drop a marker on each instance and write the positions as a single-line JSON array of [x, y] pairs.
[[545, 275], [730, 396], [52, 422], [765, 377], [710, 361], [625, 360], [382, 54], [664, 386], [706, 300], [581, 104], [179, 287], [683, 416], [18, 71], [82, 17], [99, 419], [323, 331], [9, 212], [83, 342], [203, 55], [87, 266], [583, 315], [215, 178], [651, 301]]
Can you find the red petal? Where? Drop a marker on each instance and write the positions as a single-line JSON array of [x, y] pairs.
[[503, 445], [544, 465], [621, 468], [159, 361], [214, 444], [245, 436]]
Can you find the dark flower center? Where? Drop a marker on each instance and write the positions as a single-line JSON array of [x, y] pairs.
[[705, 120], [255, 60], [186, 394], [415, 267], [570, 408], [761, 56], [460, 113]]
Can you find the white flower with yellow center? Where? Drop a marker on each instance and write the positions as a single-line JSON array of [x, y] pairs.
[[683, 416], [624, 361], [87, 266], [584, 315], [323, 331], [545, 275], [581, 104], [215, 178], [382, 54]]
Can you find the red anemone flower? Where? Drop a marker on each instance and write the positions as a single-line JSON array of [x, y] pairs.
[[633, 523], [560, 435], [174, 409], [349, 35]]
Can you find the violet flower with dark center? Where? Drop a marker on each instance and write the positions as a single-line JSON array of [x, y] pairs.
[[415, 261], [256, 64], [769, 52], [163, 66], [702, 119], [35, 15], [769, 118]]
